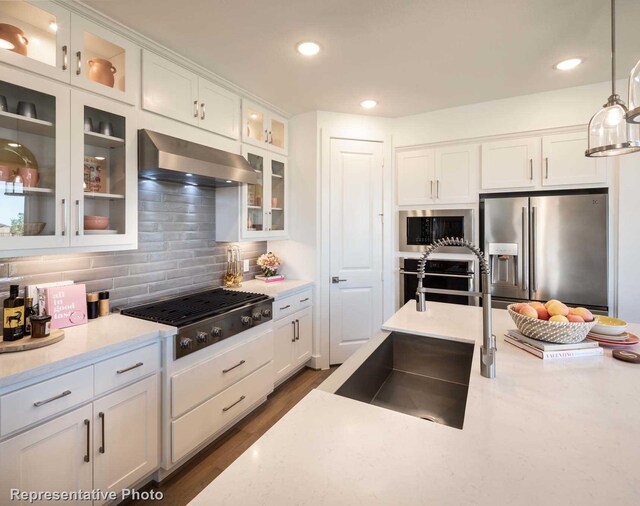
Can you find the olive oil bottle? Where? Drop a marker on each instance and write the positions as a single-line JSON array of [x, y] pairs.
[[13, 316]]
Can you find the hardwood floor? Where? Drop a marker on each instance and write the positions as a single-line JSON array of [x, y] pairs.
[[201, 470]]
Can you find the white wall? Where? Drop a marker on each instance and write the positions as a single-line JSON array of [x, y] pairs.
[[552, 109]]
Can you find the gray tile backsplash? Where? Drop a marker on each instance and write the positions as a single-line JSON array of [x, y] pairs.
[[177, 252]]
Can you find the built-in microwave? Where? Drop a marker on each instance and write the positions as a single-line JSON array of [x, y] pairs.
[[419, 229]]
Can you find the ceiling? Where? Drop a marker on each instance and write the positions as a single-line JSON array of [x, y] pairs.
[[411, 56]]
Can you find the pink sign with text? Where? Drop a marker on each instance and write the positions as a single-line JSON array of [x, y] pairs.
[[67, 305]]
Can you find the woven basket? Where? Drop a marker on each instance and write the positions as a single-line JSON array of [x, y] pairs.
[[551, 332]]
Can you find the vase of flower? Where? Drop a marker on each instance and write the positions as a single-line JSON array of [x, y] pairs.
[[269, 263]]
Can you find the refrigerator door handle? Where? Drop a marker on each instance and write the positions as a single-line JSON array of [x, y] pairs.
[[534, 260], [524, 254]]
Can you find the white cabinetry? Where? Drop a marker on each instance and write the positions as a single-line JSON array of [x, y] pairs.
[[110, 443], [255, 211], [177, 93], [56, 456], [264, 129], [126, 432], [564, 162], [512, 163], [447, 175], [52, 42]]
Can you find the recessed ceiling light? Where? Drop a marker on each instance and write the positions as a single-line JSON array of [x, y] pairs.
[[189, 175], [368, 104], [228, 181], [53, 26], [308, 48], [13, 145], [253, 115], [99, 157], [569, 64]]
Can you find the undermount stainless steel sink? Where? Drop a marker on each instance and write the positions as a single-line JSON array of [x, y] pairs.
[[420, 376]]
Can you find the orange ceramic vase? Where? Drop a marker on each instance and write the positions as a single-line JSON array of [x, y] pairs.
[[101, 71]]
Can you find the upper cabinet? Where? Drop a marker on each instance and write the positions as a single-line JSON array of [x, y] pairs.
[[68, 171], [512, 163], [36, 36], [104, 62], [264, 129], [445, 175], [564, 162], [42, 37], [177, 93]]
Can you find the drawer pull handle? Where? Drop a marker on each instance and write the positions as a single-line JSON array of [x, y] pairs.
[[285, 307], [232, 368], [304, 300], [298, 330], [88, 425], [139, 364], [50, 399], [102, 448], [242, 398]]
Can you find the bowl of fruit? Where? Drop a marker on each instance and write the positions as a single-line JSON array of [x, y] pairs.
[[552, 321]]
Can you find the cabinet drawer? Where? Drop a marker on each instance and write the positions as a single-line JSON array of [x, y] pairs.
[[126, 368], [219, 372], [291, 304], [198, 425], [32, 404]]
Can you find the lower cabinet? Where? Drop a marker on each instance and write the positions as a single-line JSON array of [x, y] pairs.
[[56, 456], [109, 445], [292, 343], [126, 432]]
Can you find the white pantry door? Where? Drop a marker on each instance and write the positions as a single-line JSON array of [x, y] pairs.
[[356, 245]]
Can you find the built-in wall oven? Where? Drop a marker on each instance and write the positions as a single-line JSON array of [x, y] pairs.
[[441, 276], [420, 228]]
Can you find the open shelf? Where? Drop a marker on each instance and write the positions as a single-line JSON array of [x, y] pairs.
[[27, 125], [277, 176], [102, 141], [254, 207], [276, 209], [98, 195]]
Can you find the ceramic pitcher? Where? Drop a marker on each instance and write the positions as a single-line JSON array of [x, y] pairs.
[[101, 71]]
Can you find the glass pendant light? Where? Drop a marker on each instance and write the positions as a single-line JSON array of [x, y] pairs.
[[609, 132], [633, 116]]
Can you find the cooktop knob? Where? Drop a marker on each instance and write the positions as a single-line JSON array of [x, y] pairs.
[[185, 343], [216, 332], [257, 316], [266, 313], [201, 337], [245, 320]]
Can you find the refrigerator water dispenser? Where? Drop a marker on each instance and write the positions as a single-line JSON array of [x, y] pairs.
[[503, 259]]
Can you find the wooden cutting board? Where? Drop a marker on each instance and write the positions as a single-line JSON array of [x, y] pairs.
[[30, 343]]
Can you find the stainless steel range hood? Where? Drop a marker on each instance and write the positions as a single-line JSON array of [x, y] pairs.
[[168, 158]]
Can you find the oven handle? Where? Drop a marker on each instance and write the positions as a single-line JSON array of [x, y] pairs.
[[438, 275]]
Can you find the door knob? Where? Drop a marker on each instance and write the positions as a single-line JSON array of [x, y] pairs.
[[336, 279]]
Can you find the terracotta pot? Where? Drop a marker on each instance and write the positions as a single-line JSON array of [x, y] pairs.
[[101, 71], [30, 176], [15, 37], [5, 173]]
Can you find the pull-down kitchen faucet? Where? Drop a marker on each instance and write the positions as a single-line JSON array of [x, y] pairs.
[[488, 349]]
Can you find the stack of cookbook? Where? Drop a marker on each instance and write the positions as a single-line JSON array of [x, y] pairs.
[[544, 350]]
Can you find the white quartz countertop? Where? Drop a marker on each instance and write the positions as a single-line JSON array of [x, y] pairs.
[[277, 289], [83, 342], [560, 432]]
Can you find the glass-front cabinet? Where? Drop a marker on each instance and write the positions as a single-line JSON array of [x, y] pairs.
[[34, 163], [263, 128], [36, 36], [103, 184], [45, 38], [103, 62], [264, 204]]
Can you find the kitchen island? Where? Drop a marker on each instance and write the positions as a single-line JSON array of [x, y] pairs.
[[541, 432]]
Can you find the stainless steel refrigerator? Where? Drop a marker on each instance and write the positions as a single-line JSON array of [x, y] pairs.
[[547, 246]]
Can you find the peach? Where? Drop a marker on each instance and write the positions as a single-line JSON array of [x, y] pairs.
[[536, 305], [574, 318], [582, 312], [558, 318], [517, 307], [543, 314], [527, 310], [552, 301], [557, 308]]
